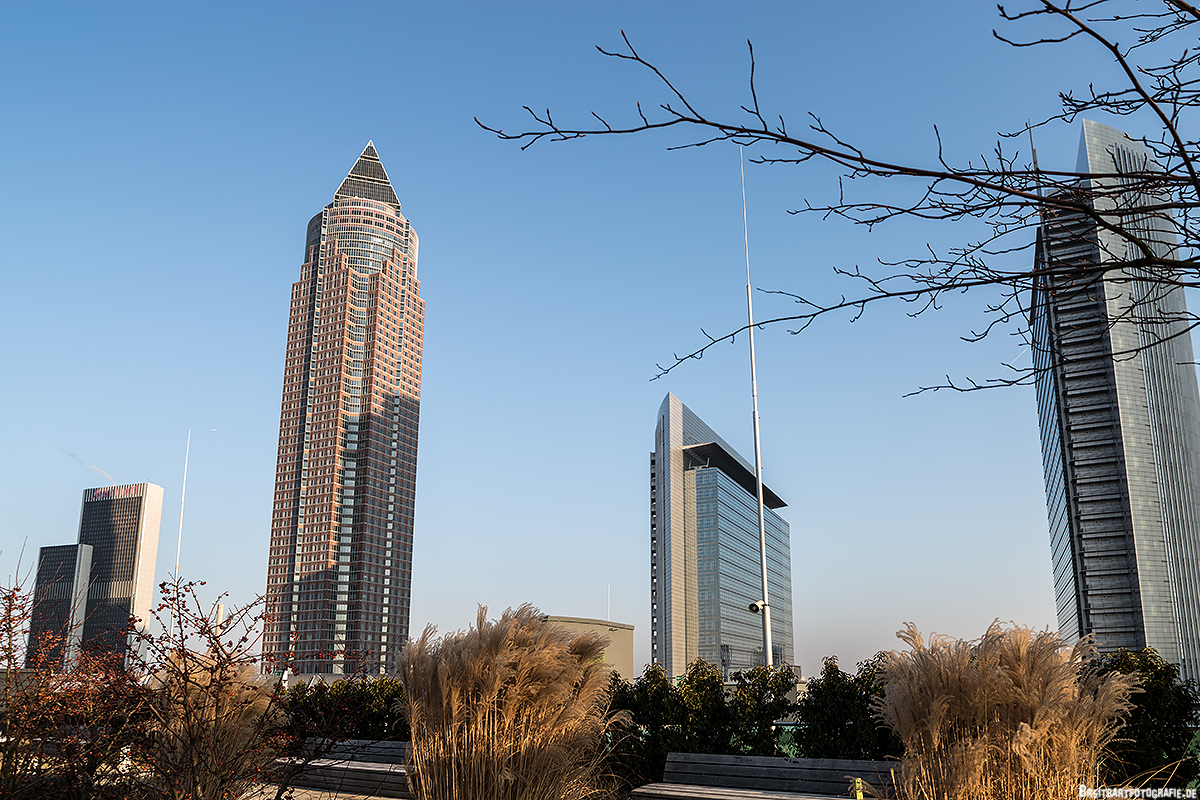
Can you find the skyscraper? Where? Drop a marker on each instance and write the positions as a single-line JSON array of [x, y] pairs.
[[59, 604], [1118, 409], [704, 551], [121, 525], [86, 593], [341, 530]]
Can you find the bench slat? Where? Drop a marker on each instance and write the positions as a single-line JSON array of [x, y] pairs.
[[383, 780], [677, 791], [846, 765], [366, 750], [705, 775], [783, 771], [835, 787], [360, 767]]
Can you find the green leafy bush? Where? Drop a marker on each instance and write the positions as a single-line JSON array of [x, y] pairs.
[[836, 718], [1152, 749], [656, 715], [697, 714], [357, 707]]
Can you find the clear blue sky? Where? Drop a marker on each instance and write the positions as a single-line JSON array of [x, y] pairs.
[[159, 162]]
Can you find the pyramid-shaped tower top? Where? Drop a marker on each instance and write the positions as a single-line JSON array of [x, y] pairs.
[[368, 179]]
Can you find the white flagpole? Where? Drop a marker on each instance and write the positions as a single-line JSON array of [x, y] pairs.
[[762, 519], [179, 541]]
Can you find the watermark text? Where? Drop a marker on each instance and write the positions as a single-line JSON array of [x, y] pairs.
[[1143, 793]]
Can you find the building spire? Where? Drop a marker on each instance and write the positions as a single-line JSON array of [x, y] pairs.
[[368, 179]]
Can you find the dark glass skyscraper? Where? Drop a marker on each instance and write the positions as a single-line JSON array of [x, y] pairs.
[[1119, 413], [86, 593], [704, 551], [59, 604], [340, 563]]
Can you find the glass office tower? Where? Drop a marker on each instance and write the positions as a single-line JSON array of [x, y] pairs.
[[704, 551], [59, 604], [340, 562], [1119, 414], [86, 593], [121, 525]]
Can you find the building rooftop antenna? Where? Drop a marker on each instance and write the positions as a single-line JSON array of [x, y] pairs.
[[762, 520]]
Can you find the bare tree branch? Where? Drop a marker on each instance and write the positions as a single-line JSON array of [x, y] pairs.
[[1125, 212]]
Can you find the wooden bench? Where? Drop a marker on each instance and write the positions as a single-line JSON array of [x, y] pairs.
[[713, 777], [366, 750], [357, 767]]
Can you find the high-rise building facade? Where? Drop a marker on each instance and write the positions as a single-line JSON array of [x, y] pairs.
[[93, 588], [1119, 413], [59, 604], [705, 567], [121, 525], [340, 563]]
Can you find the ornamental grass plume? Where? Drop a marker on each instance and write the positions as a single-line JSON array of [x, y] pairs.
[[513, 709], [1009, 715]]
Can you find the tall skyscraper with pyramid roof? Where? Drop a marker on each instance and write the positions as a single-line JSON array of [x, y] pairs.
[[340, 564]]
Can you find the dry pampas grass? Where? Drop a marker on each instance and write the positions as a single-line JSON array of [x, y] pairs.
[[1009, 715], [513, 709]]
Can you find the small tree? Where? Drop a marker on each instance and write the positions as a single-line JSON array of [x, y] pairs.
[[836, 715], [215, 726], [762, 696]]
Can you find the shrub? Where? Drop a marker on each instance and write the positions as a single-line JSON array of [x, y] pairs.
[[761, 697], [513, 709], [699, 714], [214, 727], [837, 718], [357, 707], [90, 716], [65, 730], [1010, 715], [182, 714], [1152, 748], [708, 724], [655, 717]]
